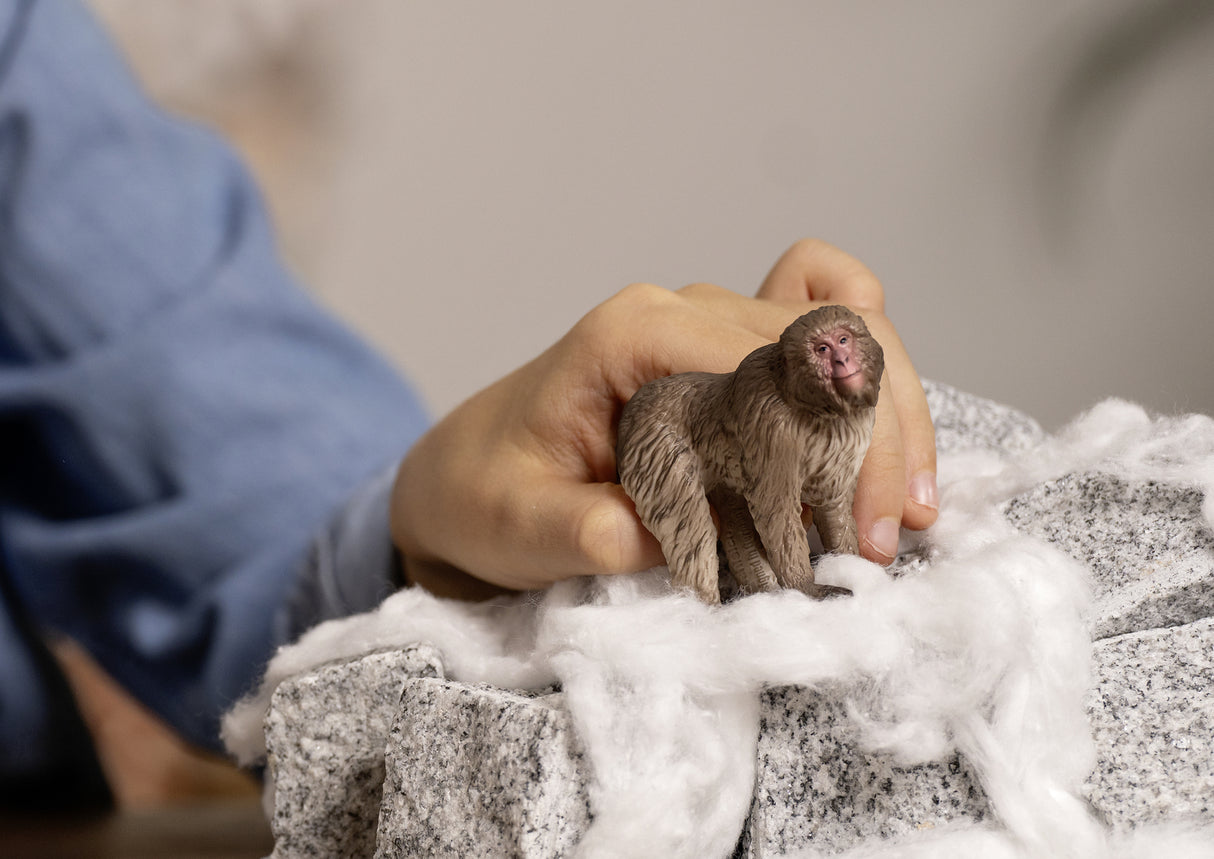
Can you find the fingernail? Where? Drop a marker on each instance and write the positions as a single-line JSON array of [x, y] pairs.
[[883, 537], [923, 490]]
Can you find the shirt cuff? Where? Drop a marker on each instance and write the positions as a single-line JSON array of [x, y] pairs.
[[351, 565]]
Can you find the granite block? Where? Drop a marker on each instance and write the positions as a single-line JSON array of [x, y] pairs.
[[1152, 715], [965, 422], [1150, 549], [325, 737], [816, 788], [479, 771]]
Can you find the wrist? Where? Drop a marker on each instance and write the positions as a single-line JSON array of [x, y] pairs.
[[443, 580]]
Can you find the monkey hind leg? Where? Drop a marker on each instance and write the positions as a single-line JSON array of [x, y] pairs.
[[787, 544], [740, 540]]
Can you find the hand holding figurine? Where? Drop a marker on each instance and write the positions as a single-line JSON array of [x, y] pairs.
[[515, 489]]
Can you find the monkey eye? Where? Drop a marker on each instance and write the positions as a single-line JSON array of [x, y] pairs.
[[842, 339], [823, 349]]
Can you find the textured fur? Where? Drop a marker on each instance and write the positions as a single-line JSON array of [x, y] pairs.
[[753, 445]]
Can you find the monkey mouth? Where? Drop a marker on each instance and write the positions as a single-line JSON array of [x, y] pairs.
[[851, 381]]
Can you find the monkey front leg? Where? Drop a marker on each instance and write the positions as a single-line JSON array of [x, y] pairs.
[[837, 527], [689, 541], [787, 545]]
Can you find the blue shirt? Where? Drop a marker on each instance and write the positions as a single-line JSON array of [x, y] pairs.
[[194, 458]]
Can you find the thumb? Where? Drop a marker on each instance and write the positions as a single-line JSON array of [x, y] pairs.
[[597, 525]]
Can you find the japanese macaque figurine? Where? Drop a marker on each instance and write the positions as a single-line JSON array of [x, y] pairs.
[[789, 427]]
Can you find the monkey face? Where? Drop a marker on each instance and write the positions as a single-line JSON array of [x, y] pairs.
[[838, 360], [832, 361]]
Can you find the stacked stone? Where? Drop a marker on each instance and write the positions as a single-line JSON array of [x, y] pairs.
[[380, 756]]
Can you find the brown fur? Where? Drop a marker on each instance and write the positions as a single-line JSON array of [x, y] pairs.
[[754, 444]]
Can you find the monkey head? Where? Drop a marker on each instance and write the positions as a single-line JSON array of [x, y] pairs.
[[831, 361]]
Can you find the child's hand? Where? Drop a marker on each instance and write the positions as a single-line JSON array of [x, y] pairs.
[[515, 488]]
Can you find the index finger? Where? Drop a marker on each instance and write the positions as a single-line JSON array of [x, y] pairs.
[[813, 270]]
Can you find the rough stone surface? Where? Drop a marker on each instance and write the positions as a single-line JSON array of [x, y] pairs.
[[477, 771], [816, 788], [1150, 550], [325, 735], [1152, 714], [963, 421]]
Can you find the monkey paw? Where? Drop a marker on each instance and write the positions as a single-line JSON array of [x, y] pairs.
[[825, 592]]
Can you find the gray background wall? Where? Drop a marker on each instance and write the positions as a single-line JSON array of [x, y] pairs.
[[1033, 181]]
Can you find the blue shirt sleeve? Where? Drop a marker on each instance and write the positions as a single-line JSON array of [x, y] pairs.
[[178, 421]]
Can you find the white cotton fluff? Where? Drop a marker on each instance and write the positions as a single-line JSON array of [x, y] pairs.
[[985, 651]]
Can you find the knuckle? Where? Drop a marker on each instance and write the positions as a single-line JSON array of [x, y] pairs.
[[807, 246], [863, 288], [701, 291], [640, 295], [876, 320], [621, 313], [866, 292]]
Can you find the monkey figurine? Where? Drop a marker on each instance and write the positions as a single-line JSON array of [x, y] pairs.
[[789, 427]]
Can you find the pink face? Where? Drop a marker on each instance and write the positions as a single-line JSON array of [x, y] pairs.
[[839, 360]]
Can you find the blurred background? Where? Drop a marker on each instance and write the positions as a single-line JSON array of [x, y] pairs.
[[1033, 180]]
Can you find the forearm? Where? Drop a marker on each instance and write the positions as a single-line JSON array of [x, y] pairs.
[[180, 418]]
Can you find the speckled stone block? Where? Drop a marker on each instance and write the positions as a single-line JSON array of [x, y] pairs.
[[1152, 715], [816, 788], [1148, 546], [964, 421], [325, 737], [477, 771]]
